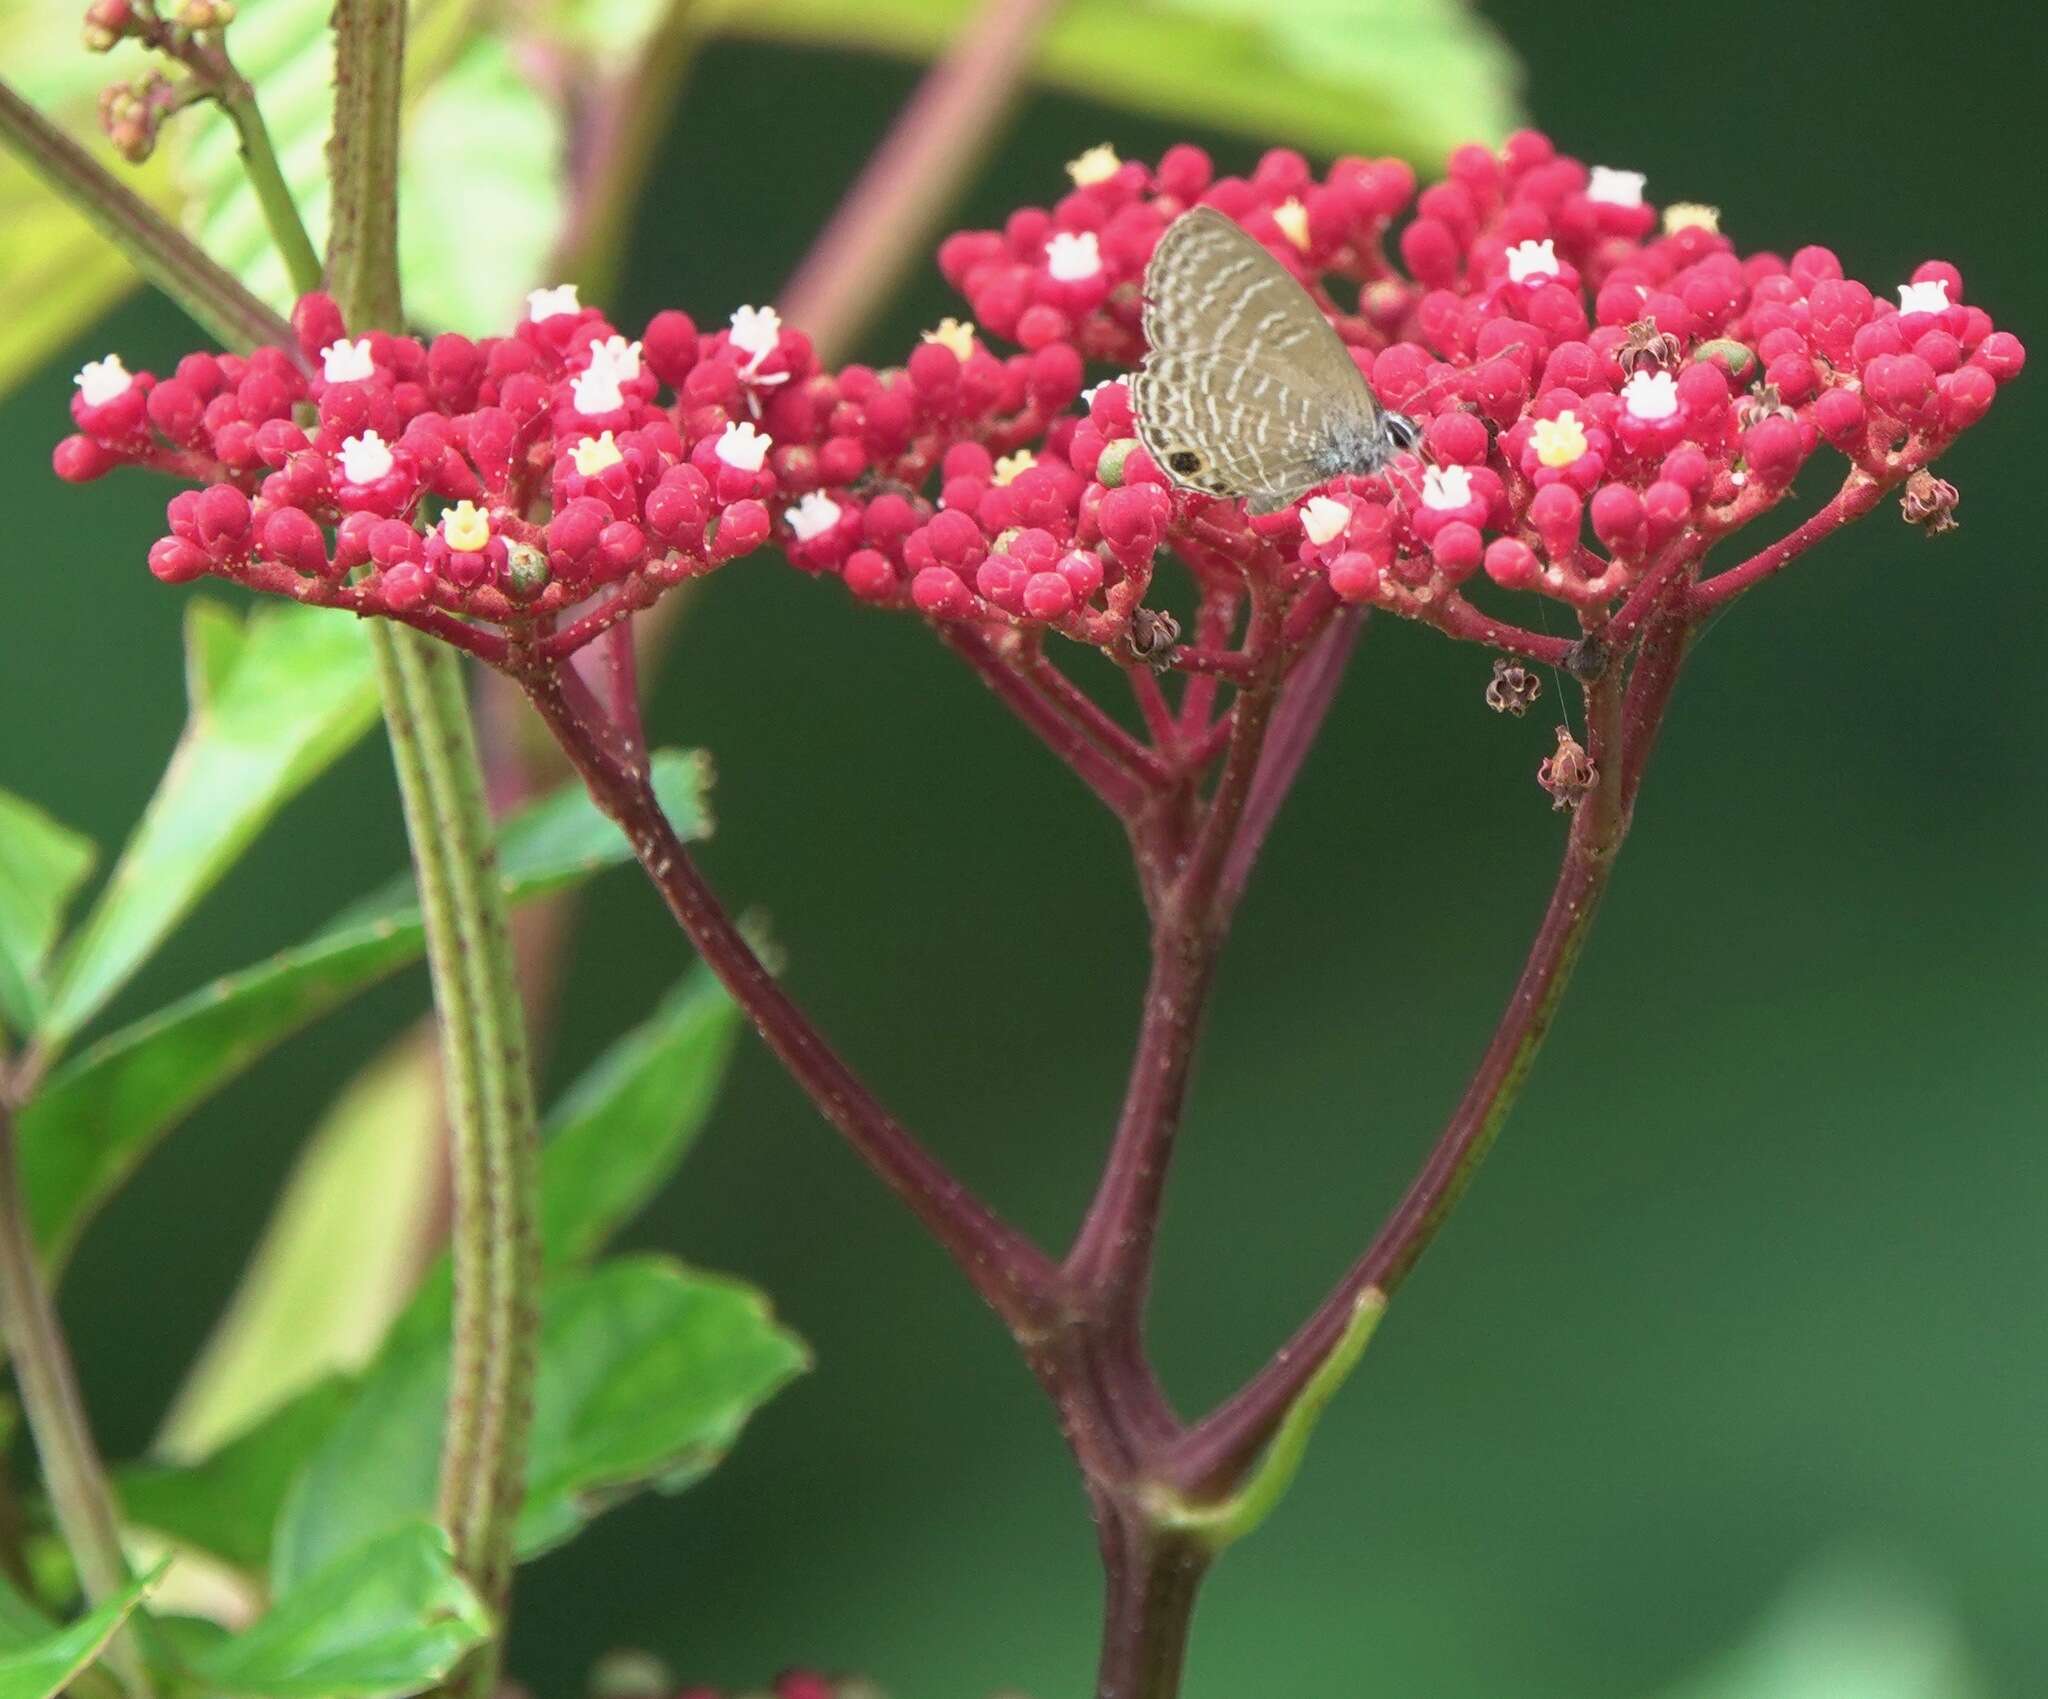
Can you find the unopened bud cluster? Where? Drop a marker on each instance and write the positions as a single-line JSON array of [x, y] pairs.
[[1600, 392]]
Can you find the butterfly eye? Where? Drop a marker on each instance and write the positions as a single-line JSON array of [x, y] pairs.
[[1402, 431]]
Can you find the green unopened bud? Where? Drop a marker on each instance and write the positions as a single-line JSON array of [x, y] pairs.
[[628, 1674], [1734, 358], [526, 571], [1109, 470], [99, 39]]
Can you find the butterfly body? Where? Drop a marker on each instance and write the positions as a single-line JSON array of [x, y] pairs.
[[1247, 392]]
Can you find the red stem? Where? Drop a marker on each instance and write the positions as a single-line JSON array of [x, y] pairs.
[[1459, 618], [1015, 1278], [1121, 791], [1860, 492], [1219, 1447]]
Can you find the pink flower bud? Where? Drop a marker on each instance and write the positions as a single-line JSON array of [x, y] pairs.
[[175, 561], [1355, 576], [1618, 519], [79, 460], [1838, 415], [1773, 450], [1512, 564]]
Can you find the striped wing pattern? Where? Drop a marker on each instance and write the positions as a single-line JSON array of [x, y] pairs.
[[1246, 383]]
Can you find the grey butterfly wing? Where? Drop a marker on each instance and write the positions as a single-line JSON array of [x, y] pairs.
[[1246, 391]]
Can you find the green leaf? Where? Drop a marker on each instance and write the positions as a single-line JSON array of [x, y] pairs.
[[1413, 77], [41, 866], [389, 1616], [1854, 1625], [42, 1668], [482, 198], [621, 1130], [339, 1258], [228, 1504], [270, 715], [648, 1372], [97, 1117]]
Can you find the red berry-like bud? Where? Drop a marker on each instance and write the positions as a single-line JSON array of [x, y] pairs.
[[404, 587], [1772, 450], [941, 592], [679, 506], [869, 575], [742, 528], [222, 517], [176, 561], [1966, 396], [79, 460], [1047, 595], [1457, 439], [1355, 576], [1554, 514], [292, 539], [1618, 520], [669, 346], [1512, 564], [1456, 550], [1133, 519], [2001, 354], [317, 322], [1838, 415]]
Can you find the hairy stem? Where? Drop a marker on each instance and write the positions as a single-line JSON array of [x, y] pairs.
[[81, 1496], [485, 1067], [217, 303], [1151, 1578], [1219, 1448], [934, 144], [1010, 1273]]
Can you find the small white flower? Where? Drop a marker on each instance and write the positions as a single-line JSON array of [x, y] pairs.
[[956, 336], [1616, 188], [99, 381], [811, 517], [1446, 487], [1292, 217], [1323, 519], [547, 303], [613, 362], [1097, 165], [596, 454], [1691, 215], [347, 362], [1928, 297], [1650, 396], [1528, 260], [1560, 441], [1008, 467], [743, 448], [1073, 258], [755, 333], [365, 459]]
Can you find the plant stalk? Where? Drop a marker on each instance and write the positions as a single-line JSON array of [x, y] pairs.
[[81, 1496], [496, 1243]]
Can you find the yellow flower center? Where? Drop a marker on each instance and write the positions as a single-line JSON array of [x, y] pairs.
[[1691, 215], [1097, 165], [954, 335], [466, 527], [1559, 441], [596, 454], [1011, 465]]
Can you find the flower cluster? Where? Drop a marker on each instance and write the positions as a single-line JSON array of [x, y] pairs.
[[1603, 392]]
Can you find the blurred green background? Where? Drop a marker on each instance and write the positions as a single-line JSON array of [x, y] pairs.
[[1754, 1276]]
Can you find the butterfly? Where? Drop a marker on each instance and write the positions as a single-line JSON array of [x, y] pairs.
[[1247, 392]]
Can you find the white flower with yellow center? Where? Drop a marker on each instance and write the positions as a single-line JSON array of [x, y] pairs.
[[813, 516], [613, 363], [1650, 396], [1928, 297], [956, 336], [1615, 188], [550, 303], [743, 448], [755, 333], [1073, 256], [1292, 217], [365, 459], [347, 362], [1010, 465], [1559, 441], [1692, 215], [596, 454], [99, 381], [466, 528], [1323, 519], [1097, 165], [1532, 261], [1445, 488]]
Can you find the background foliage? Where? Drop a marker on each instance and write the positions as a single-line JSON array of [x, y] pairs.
[[1745, 1288]]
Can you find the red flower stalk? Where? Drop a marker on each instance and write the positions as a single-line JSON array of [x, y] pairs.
[[1603, 397]]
